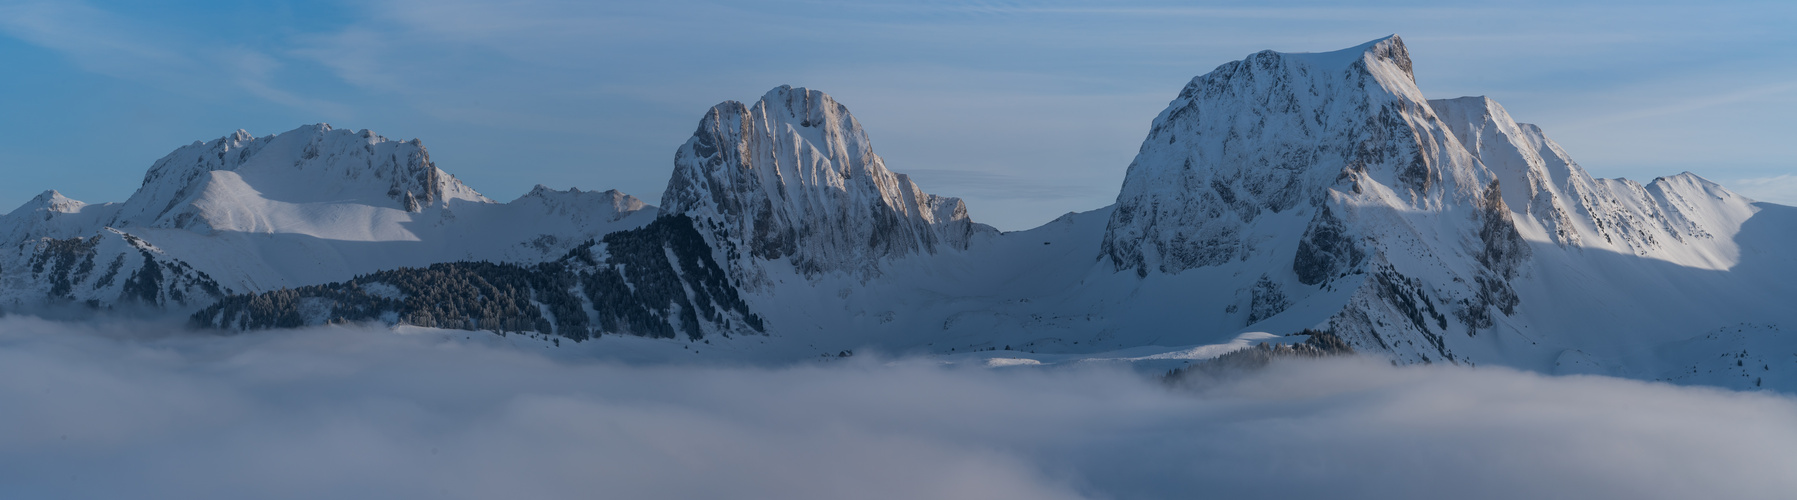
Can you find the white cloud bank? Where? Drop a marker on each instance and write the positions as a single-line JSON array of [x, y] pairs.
[[122, 411]]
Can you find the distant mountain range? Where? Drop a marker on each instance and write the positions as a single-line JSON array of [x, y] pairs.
[[1278, 193]]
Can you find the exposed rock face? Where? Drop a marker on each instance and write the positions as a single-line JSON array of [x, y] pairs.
[[1326, 250], [1266, 300], [794, 177], [1237, 364], [1537, 177]]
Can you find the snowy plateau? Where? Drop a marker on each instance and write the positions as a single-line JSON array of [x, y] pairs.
[[1275, 194]]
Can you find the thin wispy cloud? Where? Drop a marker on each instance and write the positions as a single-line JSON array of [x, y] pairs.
[[1691, 104], [1255, 13], [105, 43], [93, 38], [992, 185], [1780, 189]]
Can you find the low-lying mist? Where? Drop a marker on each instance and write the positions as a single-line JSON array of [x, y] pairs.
[[142, 410]]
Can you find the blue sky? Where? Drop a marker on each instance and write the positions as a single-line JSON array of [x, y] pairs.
[[1026, 109]]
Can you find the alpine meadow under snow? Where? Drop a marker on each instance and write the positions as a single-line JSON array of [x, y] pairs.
[[799, 320]]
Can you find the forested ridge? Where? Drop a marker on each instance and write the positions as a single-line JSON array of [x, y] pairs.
[[659, 280]]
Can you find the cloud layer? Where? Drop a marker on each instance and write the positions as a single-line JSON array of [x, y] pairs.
[[142, 410]]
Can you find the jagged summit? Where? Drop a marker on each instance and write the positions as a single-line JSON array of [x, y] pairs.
[[1553, 199], [1305, 176], [1319, 172], [610, 204], [542, 190], [625, 201], [1273, 133], [1389, 50], [793, 176]]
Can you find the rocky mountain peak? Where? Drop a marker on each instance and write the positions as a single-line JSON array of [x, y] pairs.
[[51, 215], [1391, 50], [612, 204], [1278, 132], [793, 177], [623, 202], [52, 201], [1369, 56]]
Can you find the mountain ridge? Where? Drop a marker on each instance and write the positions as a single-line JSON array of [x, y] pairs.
[[1278, 193], [308, 206]]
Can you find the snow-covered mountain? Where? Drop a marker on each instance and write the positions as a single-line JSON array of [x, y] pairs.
[[1427, 230], [775, 195], [52, 215], [245, 214], [241, 182], [1336, 166], [1294, 191], [1279, 193]]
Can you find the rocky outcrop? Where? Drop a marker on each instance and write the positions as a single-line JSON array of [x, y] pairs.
[[1240, 363], [793, 178], [1326, 250]]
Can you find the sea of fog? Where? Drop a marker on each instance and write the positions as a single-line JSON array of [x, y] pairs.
[[146, 410]]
